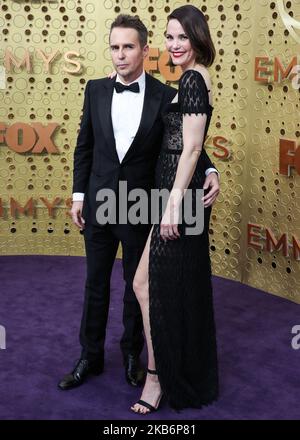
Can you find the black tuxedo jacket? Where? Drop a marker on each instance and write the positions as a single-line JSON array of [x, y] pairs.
[[96, 162]]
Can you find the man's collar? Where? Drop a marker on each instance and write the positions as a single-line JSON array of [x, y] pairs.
[[141, 80]]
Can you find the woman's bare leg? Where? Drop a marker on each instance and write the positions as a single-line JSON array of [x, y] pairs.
[[152, 390]]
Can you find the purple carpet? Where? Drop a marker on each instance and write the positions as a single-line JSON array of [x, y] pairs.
[[40, 308]]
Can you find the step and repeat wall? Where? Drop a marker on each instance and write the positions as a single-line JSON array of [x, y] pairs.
[[49, 50]]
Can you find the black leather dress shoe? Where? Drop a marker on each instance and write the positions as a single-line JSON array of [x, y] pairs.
[[134, 373], [81, 371]]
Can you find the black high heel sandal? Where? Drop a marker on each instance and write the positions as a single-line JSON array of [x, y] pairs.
[[146, 404]]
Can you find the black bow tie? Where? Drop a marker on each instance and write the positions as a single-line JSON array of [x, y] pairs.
[[134, 87]]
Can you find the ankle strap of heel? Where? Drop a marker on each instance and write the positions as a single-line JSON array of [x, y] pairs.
[[151, 371]]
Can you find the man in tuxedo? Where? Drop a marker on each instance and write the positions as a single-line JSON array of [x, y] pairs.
[[119, 140]]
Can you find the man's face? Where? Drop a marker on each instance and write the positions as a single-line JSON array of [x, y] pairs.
[[127, 54]]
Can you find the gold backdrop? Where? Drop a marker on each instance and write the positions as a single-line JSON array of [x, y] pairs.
[[253, 110]]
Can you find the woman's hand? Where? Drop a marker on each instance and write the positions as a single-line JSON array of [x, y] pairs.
[[112, 74], [169, 223]]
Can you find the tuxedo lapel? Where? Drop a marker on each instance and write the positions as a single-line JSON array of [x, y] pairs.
[[104, 102], [151, 107]]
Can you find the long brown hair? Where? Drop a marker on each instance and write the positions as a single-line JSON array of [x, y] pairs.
[[196, 28]]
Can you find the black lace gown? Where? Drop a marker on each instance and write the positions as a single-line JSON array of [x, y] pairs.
[[180, 291]]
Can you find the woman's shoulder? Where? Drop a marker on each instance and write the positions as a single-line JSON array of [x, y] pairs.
[[197, 76]]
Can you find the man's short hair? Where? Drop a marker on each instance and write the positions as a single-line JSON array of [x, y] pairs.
[[132, 22]]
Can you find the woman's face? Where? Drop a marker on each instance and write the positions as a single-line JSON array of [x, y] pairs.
[[178, 45]]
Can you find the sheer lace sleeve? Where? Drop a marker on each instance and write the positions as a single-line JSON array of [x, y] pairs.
[[193, 93]]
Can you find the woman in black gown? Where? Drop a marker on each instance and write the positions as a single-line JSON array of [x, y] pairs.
[[173, 280]]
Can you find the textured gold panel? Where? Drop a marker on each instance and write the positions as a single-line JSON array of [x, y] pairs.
[[271, 199], [250, 115]]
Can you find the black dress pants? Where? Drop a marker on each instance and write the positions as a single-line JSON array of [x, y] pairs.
[[101, 245]]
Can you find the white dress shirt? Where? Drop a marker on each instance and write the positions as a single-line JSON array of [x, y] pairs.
[[126, 114]]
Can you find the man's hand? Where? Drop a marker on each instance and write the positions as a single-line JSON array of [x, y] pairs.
[[211, 182], [76, 212]]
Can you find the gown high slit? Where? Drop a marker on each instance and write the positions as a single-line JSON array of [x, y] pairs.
[[180, 291]]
